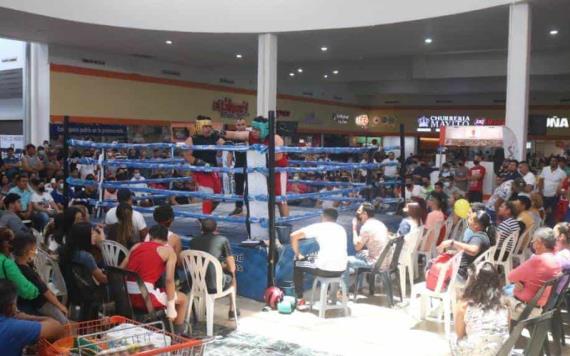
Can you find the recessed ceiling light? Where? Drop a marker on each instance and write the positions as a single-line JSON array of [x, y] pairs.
[[239, 56], [291, 74], [335, 71], [324, 49], [325, 76], [300, 70], [168, 42], [553, 32], [428, 40]]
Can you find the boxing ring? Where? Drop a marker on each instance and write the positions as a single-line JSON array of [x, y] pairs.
[[251, 258]]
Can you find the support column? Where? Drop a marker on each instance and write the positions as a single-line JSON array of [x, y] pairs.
[[37, 94], [266, 74], [518, 76]]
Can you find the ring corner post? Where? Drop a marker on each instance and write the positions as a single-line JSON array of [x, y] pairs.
[[65, 161], [271, 199], [402, 163]]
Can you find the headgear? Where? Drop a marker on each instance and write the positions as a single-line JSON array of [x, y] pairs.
[[202, 121], [262, 125]]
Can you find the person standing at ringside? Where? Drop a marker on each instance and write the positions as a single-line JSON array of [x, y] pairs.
[[208, 182], [260, 135], [240, 161]]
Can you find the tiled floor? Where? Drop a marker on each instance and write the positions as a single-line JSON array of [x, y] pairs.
[[371, 329]]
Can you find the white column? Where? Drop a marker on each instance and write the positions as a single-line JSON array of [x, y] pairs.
[[266, 74], [518, 75], [37, 94]]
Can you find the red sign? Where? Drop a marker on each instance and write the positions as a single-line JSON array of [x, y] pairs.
[[229, 109]]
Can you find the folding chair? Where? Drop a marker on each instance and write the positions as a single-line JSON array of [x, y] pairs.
[[112, 252], [503, 253], [391, 250], [538, 336]]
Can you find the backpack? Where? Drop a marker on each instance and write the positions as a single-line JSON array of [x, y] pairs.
[[434, 267]]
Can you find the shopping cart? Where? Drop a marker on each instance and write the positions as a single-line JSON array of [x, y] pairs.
[[118, 336]]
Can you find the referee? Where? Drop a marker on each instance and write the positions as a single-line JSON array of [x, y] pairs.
[[240, 162]]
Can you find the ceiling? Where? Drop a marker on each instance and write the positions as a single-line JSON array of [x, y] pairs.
[[362, 55]]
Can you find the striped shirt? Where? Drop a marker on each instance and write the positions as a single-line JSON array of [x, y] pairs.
[[504, 230]]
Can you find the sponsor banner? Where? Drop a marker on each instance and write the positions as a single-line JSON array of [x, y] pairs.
[[96, 130]]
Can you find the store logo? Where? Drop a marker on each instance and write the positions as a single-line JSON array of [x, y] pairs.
[[557, 122], [434, 122], [341, 118], [228, 109]]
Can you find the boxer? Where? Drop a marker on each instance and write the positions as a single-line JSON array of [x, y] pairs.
[[206, 182], [260, 134]]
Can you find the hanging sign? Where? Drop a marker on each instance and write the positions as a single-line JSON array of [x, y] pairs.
[[557, 122]]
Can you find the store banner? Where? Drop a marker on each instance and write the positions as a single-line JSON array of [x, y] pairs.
[[12, 141], [95, 130], [480, 136]]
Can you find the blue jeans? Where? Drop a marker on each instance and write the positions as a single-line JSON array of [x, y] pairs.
[[492, 215], [40, 220], [354, 262]]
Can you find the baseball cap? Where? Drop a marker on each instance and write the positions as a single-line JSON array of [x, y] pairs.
[[124, 194], [11, 198]]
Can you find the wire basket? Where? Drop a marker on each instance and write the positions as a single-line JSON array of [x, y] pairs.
[[119, 336]]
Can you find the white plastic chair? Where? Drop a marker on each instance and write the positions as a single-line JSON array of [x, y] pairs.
[[505, 256], [196, 265], [446, 296], [459, 229], [427, 245], [51, 275], [521, 251], [407, 256], [112, 252], [448, 225]]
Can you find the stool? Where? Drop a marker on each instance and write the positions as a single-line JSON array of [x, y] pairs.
[[334, 282]]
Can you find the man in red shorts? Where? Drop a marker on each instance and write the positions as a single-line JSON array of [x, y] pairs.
[[207, 182], [260, 134]]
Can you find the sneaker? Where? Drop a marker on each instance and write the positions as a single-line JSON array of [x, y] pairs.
[[231, 316], [237, 211], [302, 305]]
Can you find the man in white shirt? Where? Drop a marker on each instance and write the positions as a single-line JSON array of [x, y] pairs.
[[331, 258], [41, 200], [391, 166], [549, 183], [528, 176], [373, 236], [125, 196]]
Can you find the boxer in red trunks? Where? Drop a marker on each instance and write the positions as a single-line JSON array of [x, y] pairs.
[[207, 182], [260, 134]]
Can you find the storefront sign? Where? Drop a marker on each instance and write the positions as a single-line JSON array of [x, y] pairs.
[[96, 130], [435, 122], [283, 113], [14, 141], [341, 119], [228, 109], [557, 122]]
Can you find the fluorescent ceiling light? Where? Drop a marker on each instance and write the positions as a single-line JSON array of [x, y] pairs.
[[291, 74], [239, 56], [324, 49], [325, 76], [300, 70], [428, 40], [553, 32], [335, 71], [168, 42]]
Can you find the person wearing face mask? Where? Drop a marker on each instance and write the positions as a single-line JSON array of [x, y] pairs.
[[445, 171], [475, 178], [137, 177], [87, 169], [460, 174], [368, 243], [46, 303], [450, 188], [43, 204]]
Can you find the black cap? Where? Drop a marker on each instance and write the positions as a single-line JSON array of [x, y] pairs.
[[11, 198], [124, 194]]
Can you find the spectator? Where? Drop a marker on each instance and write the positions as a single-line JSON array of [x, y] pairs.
[[88, 169], [17, 330], [563, 164], [57, 193], [391, 166], [537, 209], [10, 218], [422, 172], [31, 162], [506, 191], [52, 164], [12, 164], [164, 215], [43, 205], [511, 172], [413, 191], [46, 303], [440, 194], [332, 257], [460, 175], [219, 247], [445, 171], [531, 275], [549, 183], [123, 231], [528, 176], [450, 188], [21, 188], [71, 216], [475, 176], [77, 249], [481, 318], [475, 242], [5, 185], [139, 225], [562, 235], [414, 219], [137, 177], [507, 227], [522, 205], [151, 260], [110, 193], [369, 243], [9, 269]]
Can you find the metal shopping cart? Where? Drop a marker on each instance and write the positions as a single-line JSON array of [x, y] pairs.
[[119, 336]]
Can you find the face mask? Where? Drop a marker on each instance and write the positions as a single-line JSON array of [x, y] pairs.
[[61, 186]]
